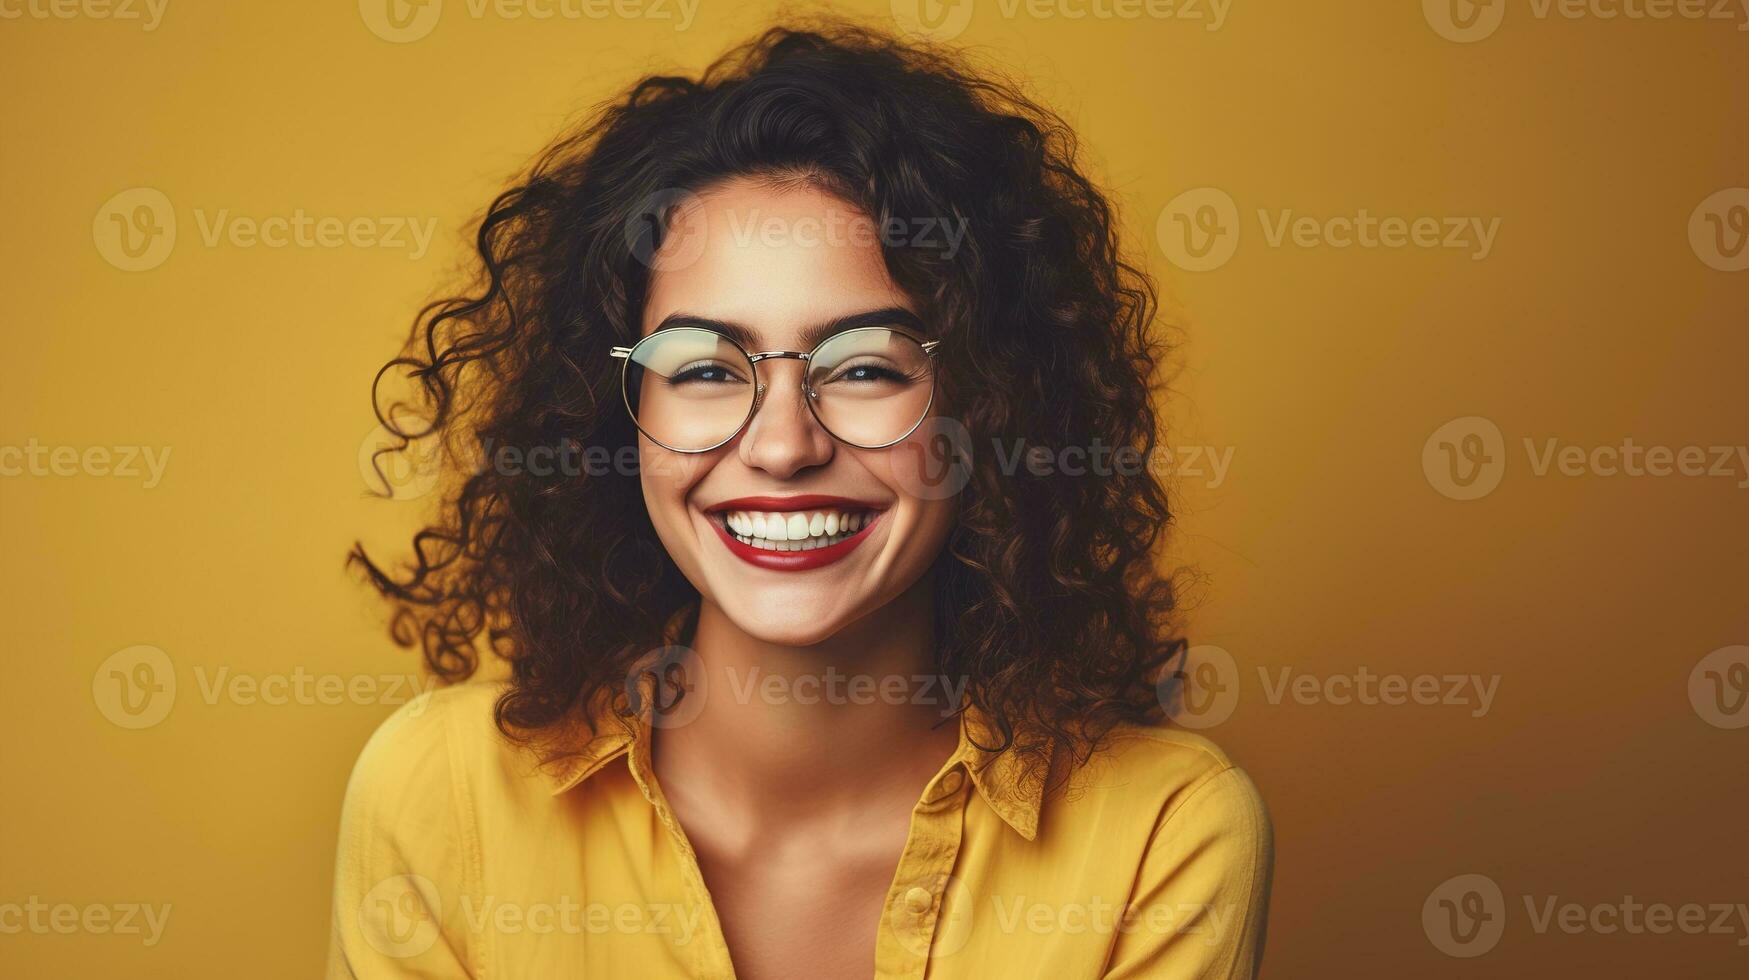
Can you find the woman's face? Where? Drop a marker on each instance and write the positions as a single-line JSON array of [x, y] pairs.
[[777, 262]]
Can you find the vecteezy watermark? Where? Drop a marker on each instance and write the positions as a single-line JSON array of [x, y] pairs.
[[1364, 687], [833, 686], [1205, 688], [402, 917], [400, 472], [934, 462], [114, 462], [1199, 230], [1211, 464], [148, 14], [941, 234], [136, 230], [566, 916], [1468, 21], [1718, 229], [1465, 459], [957, 908], [667, 231], [137, 686], [676, 685], [1718, 687], [1465, 916], [405, 21], [1022, 914], [33, 916], [944, 20]]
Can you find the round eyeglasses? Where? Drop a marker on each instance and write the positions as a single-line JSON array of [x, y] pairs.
[[691, 390]]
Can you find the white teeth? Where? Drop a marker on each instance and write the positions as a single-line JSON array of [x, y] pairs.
[[795, 530]]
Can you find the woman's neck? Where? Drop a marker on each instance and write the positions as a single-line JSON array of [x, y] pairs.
[[788, 733]]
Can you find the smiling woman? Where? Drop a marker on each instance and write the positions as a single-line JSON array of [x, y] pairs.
[[816, 690]]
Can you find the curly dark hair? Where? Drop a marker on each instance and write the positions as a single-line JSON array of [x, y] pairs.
[[1051, 603]]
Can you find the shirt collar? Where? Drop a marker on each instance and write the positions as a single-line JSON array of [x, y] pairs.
[[1009, 784]]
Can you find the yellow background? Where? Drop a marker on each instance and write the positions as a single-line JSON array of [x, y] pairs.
[[1327, 548]]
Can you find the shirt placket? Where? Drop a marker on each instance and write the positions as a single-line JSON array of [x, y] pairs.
[[912, 916], [707, 955]]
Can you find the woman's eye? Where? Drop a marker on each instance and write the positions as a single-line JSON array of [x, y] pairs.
[[866, 373], [703, 373]]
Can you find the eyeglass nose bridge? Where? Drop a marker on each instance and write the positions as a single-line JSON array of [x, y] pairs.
[[760, 388]]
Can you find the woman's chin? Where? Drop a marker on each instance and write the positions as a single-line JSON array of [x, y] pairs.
[[783, 623]]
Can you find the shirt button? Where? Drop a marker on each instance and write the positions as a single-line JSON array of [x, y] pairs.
[[918, 899]]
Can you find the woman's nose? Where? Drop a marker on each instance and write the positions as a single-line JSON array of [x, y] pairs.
[[783, 438]]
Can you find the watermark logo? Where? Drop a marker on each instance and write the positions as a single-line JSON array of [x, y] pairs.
[[935, 460], [940, 20], [1464, 916], [666, 232], [677, 684], [400, 21], [934, 915], [401, 474], [135, 687], [1718, 687], [1718, 230], [1203, 691], [1465, 459], [1199, 229], [135, 230], [1464, 21], [399, 915]]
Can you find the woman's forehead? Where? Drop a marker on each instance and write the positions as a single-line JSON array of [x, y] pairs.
[[775, 260]]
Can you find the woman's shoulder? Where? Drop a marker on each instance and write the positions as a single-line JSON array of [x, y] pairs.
[[1191, 835], [1178, 775], [423, 748], [408, 843]]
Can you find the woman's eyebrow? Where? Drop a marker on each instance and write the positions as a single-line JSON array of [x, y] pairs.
[[734, 331], [811, 336], [886, 316]]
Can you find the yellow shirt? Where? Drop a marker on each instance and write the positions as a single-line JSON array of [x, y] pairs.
[[459, 857]]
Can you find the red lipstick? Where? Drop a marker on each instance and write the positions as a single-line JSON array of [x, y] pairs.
[[793, 561]]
